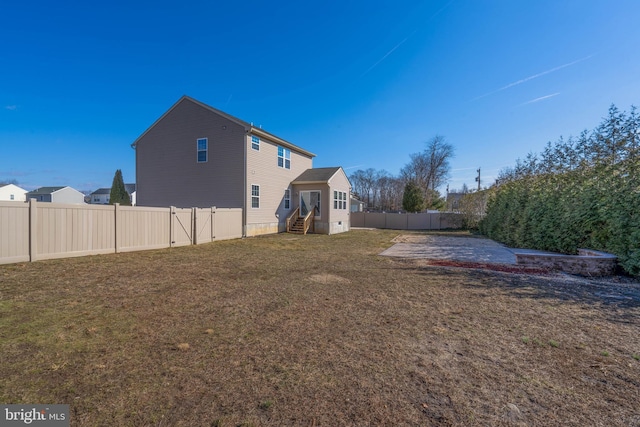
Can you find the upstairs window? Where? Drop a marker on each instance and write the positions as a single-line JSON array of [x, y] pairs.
[[255, 196], [255, 143], [284, 157], [203, 148]]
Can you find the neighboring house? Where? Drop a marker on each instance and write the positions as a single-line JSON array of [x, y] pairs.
[[453, 201], [131, 190], [11, 192], [101, 195], [197, 156], [357, 205], [56, 195]]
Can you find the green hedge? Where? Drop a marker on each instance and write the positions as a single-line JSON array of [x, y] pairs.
[[594, 202]]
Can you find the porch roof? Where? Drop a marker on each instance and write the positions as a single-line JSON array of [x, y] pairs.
[[316, 175]]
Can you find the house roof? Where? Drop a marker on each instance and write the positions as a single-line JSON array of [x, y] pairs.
[[2, 184], [129, 188], [45, 190], [316, 175], [102, 191], [455, 196], [249, 128]]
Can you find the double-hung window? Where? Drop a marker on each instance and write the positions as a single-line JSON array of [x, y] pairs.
[[287, 199], [284, 157], [203, 148], [255, 142], [255, 196]]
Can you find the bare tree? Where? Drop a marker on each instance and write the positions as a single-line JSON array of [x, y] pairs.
[[430, 168], [440, 152], [389, 190], [363, 182]]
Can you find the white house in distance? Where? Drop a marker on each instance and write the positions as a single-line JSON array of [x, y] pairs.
[[101, 195], [56, 195], [13, 193]]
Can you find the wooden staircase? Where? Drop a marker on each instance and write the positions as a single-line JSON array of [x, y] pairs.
[[297, 224], [297, 227]]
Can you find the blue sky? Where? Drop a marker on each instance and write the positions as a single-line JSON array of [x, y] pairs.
[[363, 84]]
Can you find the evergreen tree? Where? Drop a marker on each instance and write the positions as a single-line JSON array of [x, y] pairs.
[[118, 192], [412, 200]]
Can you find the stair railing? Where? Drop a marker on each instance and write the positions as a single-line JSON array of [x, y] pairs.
[[309, 221], [292, 218]]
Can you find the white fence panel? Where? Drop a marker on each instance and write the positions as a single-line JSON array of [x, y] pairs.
[[142, 228], [407, 221], [36, 231], [68, 230], [14, 232]]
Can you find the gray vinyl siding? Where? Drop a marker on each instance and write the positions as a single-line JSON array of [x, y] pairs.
[[167, 170], [263, 170]]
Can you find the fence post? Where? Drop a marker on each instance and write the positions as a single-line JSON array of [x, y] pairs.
[[213, 224], [172, 214], [116, 221], [33, 230], [194, 226]]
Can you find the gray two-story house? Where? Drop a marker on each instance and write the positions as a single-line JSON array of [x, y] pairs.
[[197, 156], [56, 195]]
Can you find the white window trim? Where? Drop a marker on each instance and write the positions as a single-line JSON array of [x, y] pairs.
[[252, 196], [284, 157], [287, 191], [198, 150], [339, 200], [256, 143]]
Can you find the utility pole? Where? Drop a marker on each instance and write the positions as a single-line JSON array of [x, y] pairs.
[[478, 179]]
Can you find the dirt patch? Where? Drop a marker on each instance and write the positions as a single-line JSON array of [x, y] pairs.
[[329, 279], [317, 331]]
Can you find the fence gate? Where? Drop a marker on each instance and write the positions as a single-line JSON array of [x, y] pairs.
[[181, 226], [204, 225]]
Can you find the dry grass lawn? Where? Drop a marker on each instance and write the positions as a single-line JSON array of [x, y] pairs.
[[315, 331]]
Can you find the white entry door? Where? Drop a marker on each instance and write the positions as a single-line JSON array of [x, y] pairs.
[[309, 200]]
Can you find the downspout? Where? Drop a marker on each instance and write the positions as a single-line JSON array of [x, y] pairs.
[[244, 178], [134, 146]]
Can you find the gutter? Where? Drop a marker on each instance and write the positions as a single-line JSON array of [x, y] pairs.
[[273, 138]]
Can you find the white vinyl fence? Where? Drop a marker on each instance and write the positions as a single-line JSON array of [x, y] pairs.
[[407, 221], [35, 231]]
